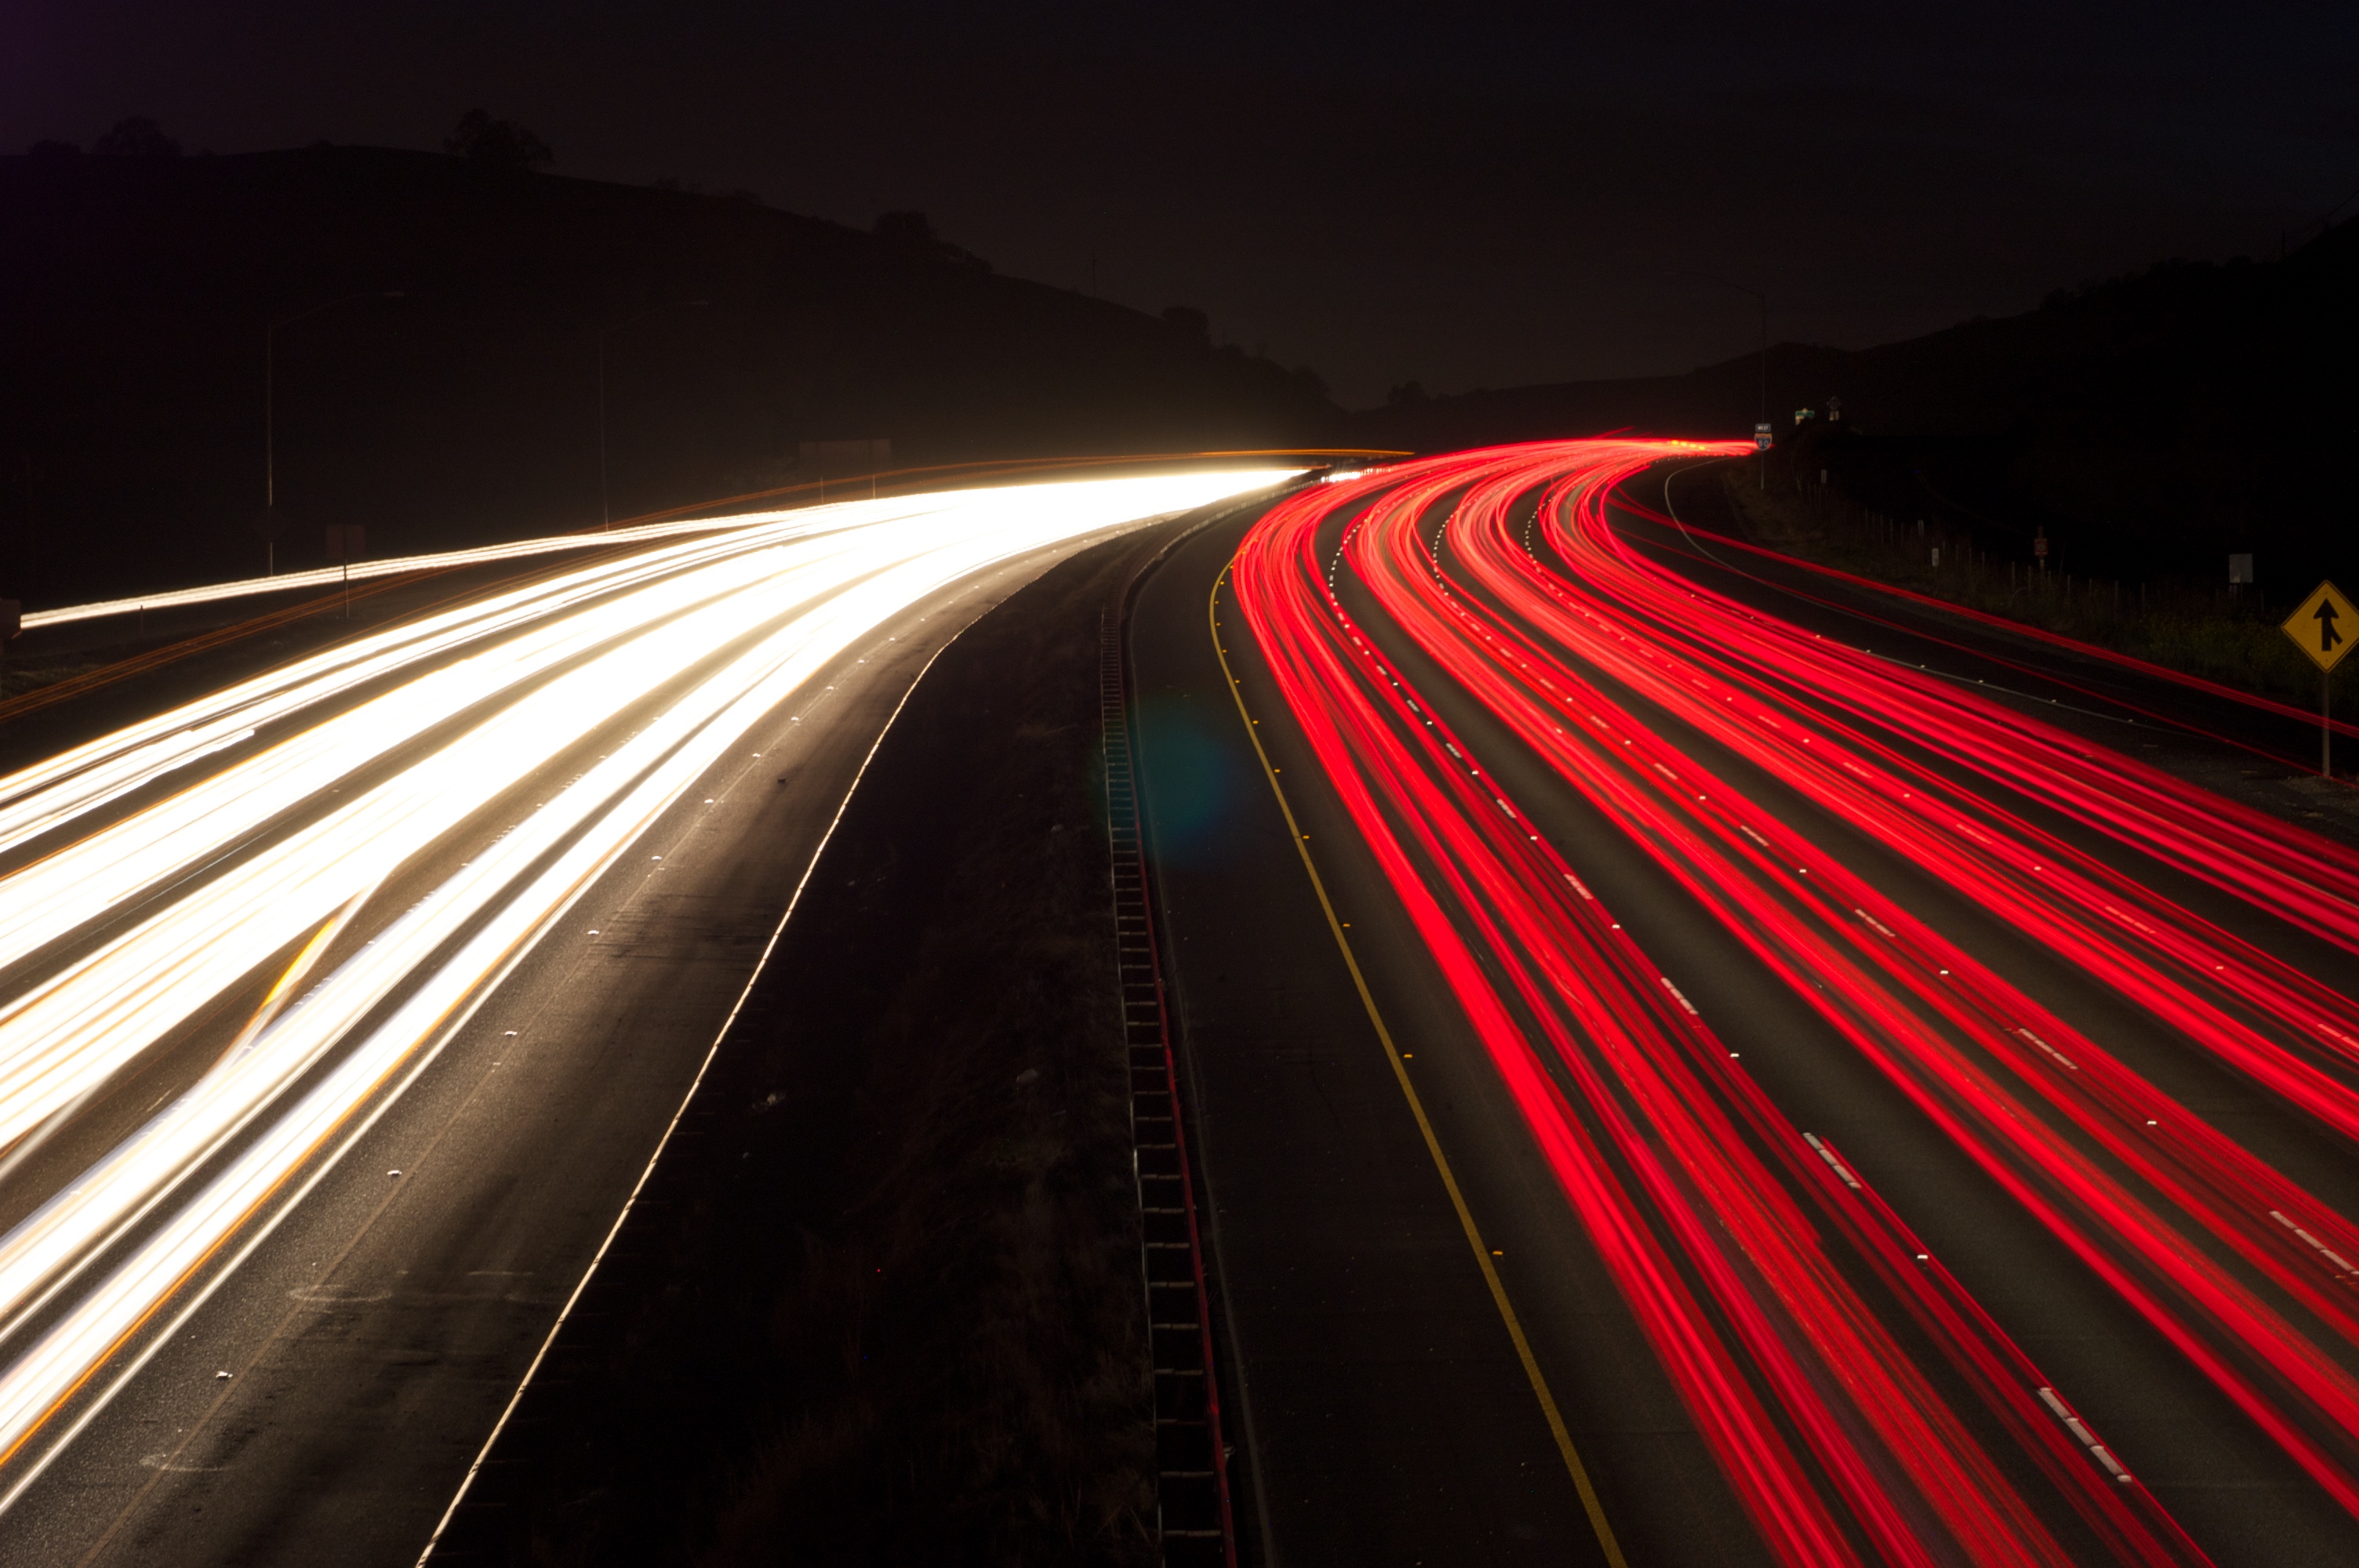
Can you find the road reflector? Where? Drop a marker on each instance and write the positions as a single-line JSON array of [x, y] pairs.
[[2325, 626]]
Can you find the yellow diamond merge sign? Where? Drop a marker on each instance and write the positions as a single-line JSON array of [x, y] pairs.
[[2325, 626]]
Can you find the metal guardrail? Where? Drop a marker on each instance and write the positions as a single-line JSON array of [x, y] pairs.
[[1195, 1520]]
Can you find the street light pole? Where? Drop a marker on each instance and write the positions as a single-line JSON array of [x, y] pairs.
[[605, 505], [1763, 417], [271, 401], [605, 508]]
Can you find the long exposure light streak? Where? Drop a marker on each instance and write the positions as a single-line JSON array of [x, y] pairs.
[[251, 834], [1502, 570], [2146, 669], [1685, 1214], [391, 566], [1771, 905]]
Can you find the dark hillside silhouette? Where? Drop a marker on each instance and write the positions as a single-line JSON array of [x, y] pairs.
[[2152, 424], [499, 143], [135, 293]]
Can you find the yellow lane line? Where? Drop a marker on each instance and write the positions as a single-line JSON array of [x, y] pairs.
[[1572, 1463]]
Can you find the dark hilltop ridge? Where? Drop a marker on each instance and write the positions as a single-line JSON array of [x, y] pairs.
[[136, 292], [2151, 424]]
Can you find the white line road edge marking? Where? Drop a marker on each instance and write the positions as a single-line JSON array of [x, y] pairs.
[[712, 1052]]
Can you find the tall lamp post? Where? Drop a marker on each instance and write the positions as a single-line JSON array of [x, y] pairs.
[[1763, 300], [270, 519], [606, 507]]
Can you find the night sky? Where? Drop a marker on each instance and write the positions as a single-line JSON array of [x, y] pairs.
[[1465, 196]]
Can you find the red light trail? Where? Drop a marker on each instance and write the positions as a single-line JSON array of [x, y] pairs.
[[1734, 1235]]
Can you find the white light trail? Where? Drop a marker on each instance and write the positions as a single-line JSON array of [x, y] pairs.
[[41, 796], [396, 566], [464, 707]]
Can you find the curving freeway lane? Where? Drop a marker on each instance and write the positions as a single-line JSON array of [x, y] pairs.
[[1951, 1115], [338, 1010]]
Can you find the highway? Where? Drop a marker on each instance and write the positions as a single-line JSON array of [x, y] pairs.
[[341, 1010], [1705, 1091]]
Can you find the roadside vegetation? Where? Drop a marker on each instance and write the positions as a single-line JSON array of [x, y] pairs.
[[2222, 635], [19, 674]]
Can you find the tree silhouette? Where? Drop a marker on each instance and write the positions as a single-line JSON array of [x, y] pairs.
[[137, 136], [912, 234], [909, 229], [500, 144], [1190, 324]]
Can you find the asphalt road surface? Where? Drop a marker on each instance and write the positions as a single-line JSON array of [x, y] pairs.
[[1631, 1133], [1389, 1414], [315, 1388], [2225, 744]]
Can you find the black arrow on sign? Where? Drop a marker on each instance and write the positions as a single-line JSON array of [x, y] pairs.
[[2327, 634]]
